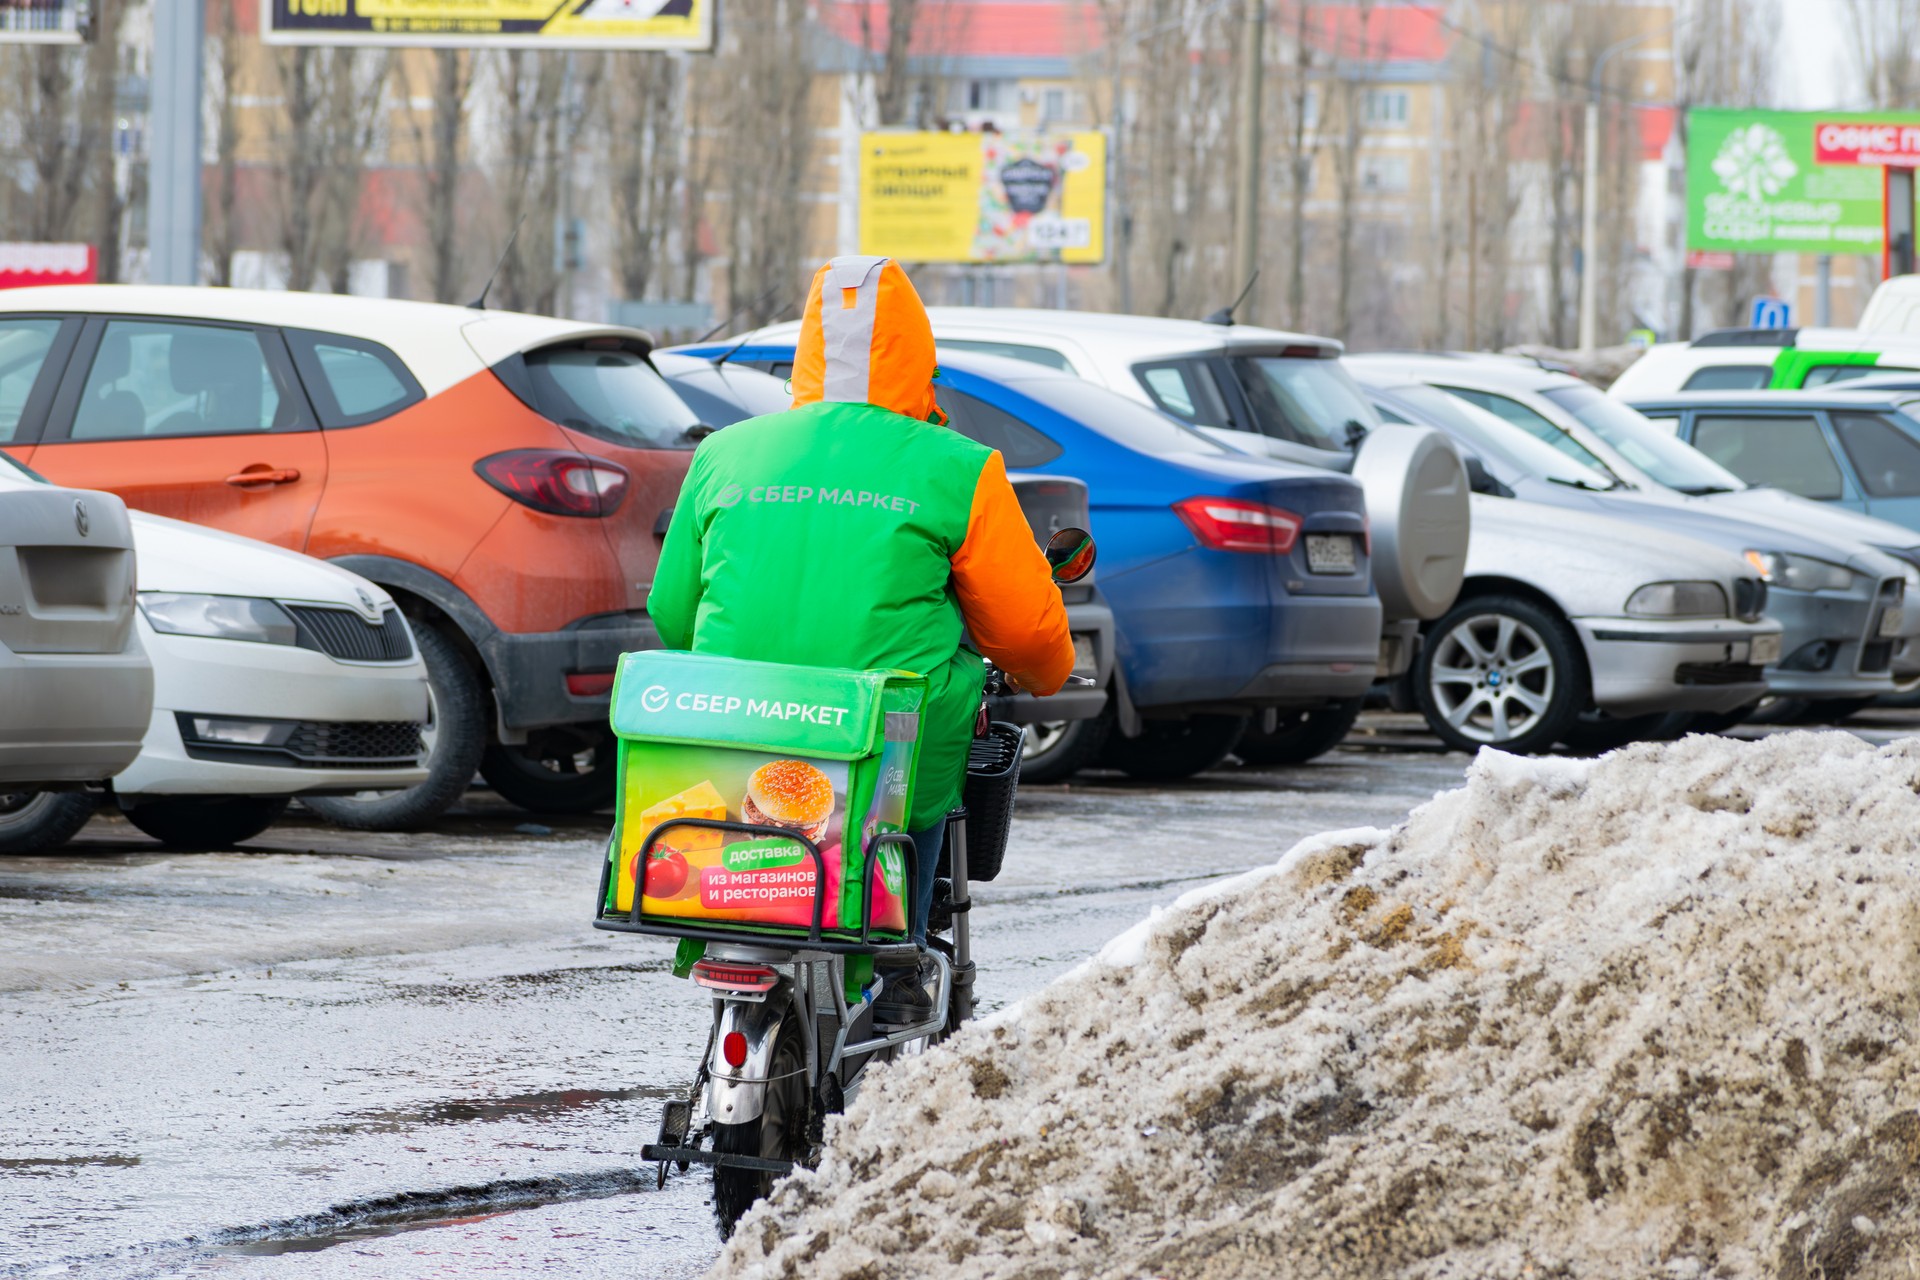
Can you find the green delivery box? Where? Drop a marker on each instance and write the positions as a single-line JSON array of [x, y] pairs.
[[822, 753]]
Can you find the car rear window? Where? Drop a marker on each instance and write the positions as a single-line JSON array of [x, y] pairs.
[[607, 391], [1308, 401], [1122, 420], [1010, 351], [351, 381], [1886, 456], [1019, 444], [1729, 377]]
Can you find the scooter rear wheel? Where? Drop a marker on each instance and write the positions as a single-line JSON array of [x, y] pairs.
[[779, 1133]]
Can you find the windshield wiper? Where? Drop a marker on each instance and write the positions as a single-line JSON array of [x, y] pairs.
[[1702, 490], [1587, 485]]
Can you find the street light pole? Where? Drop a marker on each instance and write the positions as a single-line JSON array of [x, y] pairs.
[[1589, 205], [173, 175]]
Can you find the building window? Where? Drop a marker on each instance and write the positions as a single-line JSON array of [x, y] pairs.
[[1386, 106], [982, 95], [1385, 173], [1057, 105]]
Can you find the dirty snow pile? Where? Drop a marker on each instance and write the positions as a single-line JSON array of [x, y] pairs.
[[1650, 1015]]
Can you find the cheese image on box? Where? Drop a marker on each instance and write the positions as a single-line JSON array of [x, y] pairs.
[[823, 755], [698, 801]]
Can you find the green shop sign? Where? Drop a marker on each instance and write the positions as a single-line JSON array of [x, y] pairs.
[[1755, 183]]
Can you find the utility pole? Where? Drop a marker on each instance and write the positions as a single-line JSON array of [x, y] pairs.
[[1246, 196], [173, 182]]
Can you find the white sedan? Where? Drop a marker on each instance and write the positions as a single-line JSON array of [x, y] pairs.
[[274, 675]]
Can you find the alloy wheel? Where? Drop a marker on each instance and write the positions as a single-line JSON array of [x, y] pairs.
[[1492, 677]]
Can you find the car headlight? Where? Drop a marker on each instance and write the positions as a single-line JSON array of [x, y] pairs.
[[220, 617], [1800, 573], [1678, 600]]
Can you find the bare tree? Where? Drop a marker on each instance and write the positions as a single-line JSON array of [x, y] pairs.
[[1298, 94], [894, 82], [1724, 55], [1356, 97], [223, 63], [353, 133], [438, 137], [1884, 40], [759, 89], [646, 153], [527, 182]]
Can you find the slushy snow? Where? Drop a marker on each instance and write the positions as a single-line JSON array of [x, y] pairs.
[[1650, 1015]]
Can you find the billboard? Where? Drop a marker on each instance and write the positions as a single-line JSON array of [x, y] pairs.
[[984, 197], [526, 24], [1790, 181]]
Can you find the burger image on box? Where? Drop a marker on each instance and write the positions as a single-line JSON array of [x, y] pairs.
[[820, 754], [789, 793]]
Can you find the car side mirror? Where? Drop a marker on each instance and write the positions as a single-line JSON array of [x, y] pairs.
[[1480, 480], [1071, 553]]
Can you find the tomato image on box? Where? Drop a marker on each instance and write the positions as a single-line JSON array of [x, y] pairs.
[[826, 754]]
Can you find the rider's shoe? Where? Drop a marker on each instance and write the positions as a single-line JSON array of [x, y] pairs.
[[907, 996]]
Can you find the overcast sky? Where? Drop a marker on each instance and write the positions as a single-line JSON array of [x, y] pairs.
[[1812, 58]]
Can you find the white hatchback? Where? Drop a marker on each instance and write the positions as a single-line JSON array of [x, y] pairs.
[[274, 675]]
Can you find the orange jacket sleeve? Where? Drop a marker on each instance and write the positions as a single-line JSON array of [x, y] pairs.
[[1006, 589]]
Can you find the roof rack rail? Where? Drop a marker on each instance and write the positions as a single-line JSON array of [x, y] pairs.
[[1748, 338]]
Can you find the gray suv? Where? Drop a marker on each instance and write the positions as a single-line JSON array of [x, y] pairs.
[[76, 689]]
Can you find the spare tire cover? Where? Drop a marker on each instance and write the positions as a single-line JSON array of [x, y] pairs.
[[1417, 503]]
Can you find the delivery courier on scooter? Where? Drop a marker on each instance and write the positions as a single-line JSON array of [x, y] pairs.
[[856, 531]]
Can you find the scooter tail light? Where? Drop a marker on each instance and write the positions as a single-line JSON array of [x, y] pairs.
[[556, 481], [1234, 524], [733, 1047], [726, 975]]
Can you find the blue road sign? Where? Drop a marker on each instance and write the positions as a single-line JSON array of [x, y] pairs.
[[1772, 313]]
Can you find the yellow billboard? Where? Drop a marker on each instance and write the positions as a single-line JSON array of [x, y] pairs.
[[984, 197], [535, 24]]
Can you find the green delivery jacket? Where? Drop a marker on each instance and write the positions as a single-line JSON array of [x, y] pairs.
[[848, 535]]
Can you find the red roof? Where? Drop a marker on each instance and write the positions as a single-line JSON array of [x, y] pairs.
[[1399, 33], [973, 28]]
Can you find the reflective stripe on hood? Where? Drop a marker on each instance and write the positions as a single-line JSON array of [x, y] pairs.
[[866, 339]]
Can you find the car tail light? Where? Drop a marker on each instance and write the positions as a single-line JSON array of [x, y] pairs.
[[1230, 524], [556, 481], [589, 684], [724, 975]]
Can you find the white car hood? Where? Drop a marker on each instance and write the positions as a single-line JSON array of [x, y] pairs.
[[1589, 564], [176, 556]]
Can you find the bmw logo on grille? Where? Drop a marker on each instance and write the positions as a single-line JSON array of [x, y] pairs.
[[80, 520]]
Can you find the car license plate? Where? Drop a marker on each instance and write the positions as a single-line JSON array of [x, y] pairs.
[[1765, 651], [1891, 620], [1083, 654], [1330, 553]]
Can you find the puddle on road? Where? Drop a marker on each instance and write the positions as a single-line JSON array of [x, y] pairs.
[[46, 1166], [423, 1211], [525, 1106], [517, 984]]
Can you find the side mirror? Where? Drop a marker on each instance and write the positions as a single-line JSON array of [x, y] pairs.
[[1480, 480], [1071, 553]]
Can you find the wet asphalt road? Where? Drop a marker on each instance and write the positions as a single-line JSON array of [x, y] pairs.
[[333, 1054]]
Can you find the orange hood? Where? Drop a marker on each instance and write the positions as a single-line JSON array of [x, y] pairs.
[[866, 339]]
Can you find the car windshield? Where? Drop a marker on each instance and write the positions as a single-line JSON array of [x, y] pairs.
[[1667, 459], [611, 393], [1126, 422], [1494, 437], [1309, 401]]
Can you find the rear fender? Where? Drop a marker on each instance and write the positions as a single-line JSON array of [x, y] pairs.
[[737, 1095]]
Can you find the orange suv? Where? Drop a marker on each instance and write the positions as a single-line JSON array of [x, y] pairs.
[[508, 478]]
